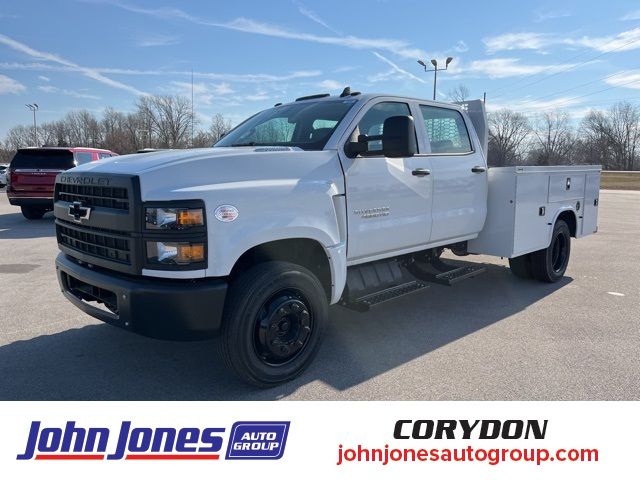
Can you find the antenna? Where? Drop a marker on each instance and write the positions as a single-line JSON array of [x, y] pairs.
[[346, 92], [191, 107]]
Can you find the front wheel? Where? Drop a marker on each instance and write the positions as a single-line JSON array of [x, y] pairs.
[[273, 323], [549, 264]]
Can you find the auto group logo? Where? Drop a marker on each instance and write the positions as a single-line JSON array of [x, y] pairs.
[[246, 441]]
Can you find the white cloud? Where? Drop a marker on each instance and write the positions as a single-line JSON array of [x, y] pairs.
[[51, 57], [544, 15], [518, 41], [330, 85], [43, 78], [623, 41], [635, 15], [248, 25], [629, 40], [397, 69], [314, 17], [231, 77], [157, 41], [461, 47], [9, 85], [533, 106], [626, 79], [64, 91], [204, 93], [508, 67]]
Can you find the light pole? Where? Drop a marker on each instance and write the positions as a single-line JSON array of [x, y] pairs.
[[435, 70], [34, 108]]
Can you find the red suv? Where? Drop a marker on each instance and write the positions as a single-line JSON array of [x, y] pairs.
[[32, 174]]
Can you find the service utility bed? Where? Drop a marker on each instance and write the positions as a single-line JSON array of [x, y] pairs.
[[521, 203]]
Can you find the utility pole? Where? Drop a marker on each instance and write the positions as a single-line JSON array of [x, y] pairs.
[[191, 107], [435, 70], [34, 108]]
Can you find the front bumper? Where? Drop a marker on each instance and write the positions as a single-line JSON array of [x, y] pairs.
[[159, 308]]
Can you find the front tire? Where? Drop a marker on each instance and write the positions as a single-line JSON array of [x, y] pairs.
[[33, 213], [273, 323], [549, 264]]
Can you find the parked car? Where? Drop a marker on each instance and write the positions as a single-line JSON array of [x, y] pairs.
[[346, 199], [32, 172], [3, 174]]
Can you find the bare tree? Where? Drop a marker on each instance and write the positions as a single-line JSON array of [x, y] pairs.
[[553, 139], [508, 131], [614, 135], [219, 127], [168, 119], [459, 93]]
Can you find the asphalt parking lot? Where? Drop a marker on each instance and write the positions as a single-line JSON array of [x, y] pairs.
[[493, 337]]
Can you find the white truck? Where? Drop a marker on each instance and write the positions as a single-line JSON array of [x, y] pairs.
[[346, 199]]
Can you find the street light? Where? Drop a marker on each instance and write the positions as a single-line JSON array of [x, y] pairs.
[[34, 108], [435, 71]]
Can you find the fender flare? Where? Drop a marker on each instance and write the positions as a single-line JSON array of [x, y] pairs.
[[560, 211]]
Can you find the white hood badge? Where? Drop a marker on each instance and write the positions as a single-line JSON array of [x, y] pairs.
[[226, 213]]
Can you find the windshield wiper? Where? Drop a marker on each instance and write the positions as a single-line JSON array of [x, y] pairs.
[[247, 144]]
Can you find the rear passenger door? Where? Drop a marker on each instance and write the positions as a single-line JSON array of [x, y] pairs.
[[459, 174]]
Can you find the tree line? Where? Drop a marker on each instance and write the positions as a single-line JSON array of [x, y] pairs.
[[158, 121], [610, 137]]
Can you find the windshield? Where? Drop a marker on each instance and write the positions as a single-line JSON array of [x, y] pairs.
[[307, 125]]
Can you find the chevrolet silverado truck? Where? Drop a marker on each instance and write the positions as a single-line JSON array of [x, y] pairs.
[[347, 199]]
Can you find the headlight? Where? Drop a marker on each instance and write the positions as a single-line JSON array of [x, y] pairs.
[[173, 218], [175, 253]]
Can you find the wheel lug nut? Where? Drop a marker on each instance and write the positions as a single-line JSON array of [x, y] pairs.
[[284, 349], [282, 312]]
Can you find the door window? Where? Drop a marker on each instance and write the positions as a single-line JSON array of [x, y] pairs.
[[446, 130], [372, 123], [83, 157]]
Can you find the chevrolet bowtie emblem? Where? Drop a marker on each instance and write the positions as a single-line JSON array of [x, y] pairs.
[[79, 212]]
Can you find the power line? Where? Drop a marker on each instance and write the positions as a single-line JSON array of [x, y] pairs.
[[555, 106], [569, 89], [572, 67]]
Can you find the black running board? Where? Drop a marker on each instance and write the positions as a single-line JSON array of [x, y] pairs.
[[442, 273], [363, 304]]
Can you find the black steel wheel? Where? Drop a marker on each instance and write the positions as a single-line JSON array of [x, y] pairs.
[[549, 264], [273, 323], [283, 327]]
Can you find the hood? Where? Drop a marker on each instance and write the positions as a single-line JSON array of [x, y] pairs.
[[184, 173]]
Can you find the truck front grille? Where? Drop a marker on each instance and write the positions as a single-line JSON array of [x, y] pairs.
[[94, 196], [107, 244]]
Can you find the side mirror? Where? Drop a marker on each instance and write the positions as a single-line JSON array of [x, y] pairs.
[[399, 137]]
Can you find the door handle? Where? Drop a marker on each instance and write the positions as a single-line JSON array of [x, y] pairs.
[[478, 169], [421, 172]]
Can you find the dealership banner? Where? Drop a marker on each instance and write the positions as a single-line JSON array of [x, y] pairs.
[[325, 440]]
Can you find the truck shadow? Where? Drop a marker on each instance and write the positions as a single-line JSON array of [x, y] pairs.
[[99, 362], [15, 226]]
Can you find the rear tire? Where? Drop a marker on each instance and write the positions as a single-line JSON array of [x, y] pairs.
[[521, 266], [549, 264], [273, 323], [33, 213]]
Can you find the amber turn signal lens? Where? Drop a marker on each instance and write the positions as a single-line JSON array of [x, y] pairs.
[[190, 252], [190, 217]]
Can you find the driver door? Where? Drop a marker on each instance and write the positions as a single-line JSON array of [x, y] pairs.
[[388, 199]]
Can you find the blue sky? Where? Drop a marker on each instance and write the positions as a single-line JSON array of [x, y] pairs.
[[248, 55]]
